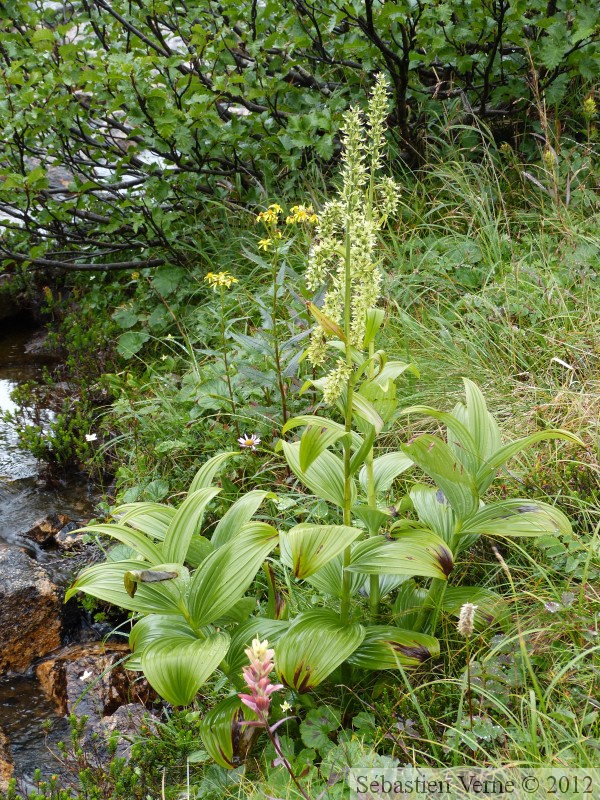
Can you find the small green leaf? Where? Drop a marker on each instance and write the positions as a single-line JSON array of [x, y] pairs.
[[318, 724], [130, 343]]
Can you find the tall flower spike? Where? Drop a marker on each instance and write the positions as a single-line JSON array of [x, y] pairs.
[[348, 225], [257, 679]]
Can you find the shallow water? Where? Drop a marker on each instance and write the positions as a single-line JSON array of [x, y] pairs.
[[24, 709], [23, 500]]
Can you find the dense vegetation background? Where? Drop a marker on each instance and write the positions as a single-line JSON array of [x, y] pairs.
[[143, 142]]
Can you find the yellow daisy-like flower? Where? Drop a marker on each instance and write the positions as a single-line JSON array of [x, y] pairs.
[[264, 244], [271, 215], [302, 214], [220, 280]]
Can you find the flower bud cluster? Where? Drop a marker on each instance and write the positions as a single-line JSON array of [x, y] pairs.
[[257, 679], [348, 228]]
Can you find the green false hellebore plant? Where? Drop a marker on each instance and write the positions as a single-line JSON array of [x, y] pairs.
[[188, 591]]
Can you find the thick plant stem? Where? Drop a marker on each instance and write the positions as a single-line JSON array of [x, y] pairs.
[[347, 510], [374, 584]]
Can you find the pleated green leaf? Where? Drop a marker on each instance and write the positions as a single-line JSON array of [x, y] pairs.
[[238, 515], [408, 604], [364, 408], [392, 370], [481, 424], [422, 554], [185, 524], [311, 420], [310, 547], [490, 605], [438, 461], [375, 317], [328, 579], [460, 440], [433, 510], [138, 541], [152, 519], [198, 549], [373, 518], [313, 648], [105, 581], [177, 667], [203, 479], [315, 441], [384, 647], [225, 576], [488, 471], [382, 396], [158, 626], [324, 477], [226, 740], [517, 517], [386, 469]]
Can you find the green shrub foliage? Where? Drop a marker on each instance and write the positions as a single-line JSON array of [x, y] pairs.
[[121, 118]]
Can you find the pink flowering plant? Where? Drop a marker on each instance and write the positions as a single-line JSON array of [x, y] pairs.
[[257, 677]]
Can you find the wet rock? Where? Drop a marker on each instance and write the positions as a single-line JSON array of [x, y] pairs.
[[88, 679], [6, 762], [40, 345], [67, 539], [29, 611], [44, 530]]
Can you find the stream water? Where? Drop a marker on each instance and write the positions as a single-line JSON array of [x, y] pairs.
[[23, 500]]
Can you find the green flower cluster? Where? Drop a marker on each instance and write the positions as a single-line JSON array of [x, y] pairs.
[[346, 237]]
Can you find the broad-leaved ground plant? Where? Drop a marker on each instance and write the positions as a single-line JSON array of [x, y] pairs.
[[189, 593]]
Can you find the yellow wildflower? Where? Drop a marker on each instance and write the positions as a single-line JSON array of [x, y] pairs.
[[271, 215], [135, 276], [220, 280], [302, 214], [264, 244]]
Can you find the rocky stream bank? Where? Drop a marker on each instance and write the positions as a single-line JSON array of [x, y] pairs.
[[54, 660]]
